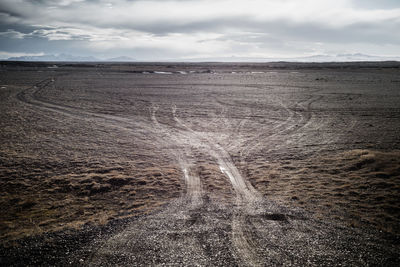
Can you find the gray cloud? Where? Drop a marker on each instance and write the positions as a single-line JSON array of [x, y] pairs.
[[178, 29], [373, 4]]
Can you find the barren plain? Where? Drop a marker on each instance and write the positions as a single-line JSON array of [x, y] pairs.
[[208, 164]]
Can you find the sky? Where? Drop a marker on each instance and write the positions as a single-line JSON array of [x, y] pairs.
[[157, 30]]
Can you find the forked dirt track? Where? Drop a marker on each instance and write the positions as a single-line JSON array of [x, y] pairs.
[[201, 228]]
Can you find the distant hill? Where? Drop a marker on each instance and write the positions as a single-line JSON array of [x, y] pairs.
[[61, 57], [67, 57], [121, 59], [316, 58], [345, 58]]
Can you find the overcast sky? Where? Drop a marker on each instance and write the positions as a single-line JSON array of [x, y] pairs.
[[182, 29]]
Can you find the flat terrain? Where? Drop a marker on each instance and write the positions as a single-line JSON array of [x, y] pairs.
[[208, 164]]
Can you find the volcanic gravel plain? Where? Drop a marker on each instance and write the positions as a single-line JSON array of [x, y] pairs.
[[206, 164]]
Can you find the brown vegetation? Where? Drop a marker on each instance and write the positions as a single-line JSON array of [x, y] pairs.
[[356, 186]]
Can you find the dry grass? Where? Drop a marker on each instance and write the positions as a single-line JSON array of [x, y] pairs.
[[214, 182], [36, 204], [357, 186]]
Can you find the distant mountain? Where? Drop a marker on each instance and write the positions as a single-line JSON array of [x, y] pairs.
[[121, 59], [315, 58], [67, 57], [60, 57], [344, 58]]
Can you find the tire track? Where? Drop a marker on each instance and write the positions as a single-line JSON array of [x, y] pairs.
[[220, 118], [137, 128], [177, 210], [192, 181], [258, 139], [192, 230], [267, 130], [223, 159], [234, 137], [293, 122], [30, 96], [303, 116], [246, 197]]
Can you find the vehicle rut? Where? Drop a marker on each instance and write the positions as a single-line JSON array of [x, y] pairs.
[[246, 195], [198, 228]]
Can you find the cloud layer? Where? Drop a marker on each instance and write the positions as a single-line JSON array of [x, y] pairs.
[[179, 29]]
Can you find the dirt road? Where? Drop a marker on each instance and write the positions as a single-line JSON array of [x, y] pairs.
[[224, 133]]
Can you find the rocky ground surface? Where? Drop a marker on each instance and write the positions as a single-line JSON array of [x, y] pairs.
[[200, 164]]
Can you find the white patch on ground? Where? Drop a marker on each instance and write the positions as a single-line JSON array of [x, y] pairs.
[[162, 72]]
